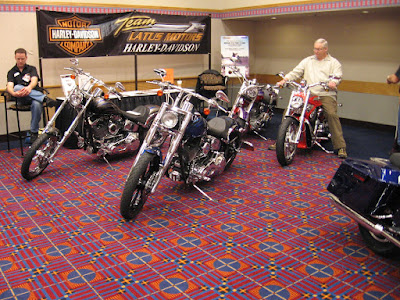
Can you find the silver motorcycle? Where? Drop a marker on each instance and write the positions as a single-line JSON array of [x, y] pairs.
[[100, 125], [195, 149], [254, 104]]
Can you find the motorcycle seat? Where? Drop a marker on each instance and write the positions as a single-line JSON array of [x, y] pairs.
[[140, 113], [219, 126]]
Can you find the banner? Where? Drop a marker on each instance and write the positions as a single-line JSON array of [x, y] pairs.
[[235, 50], [64, 34]]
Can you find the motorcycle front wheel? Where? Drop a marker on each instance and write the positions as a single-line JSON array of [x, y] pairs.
[[285, 141], [37, 157], [378, 244], [135, 194]]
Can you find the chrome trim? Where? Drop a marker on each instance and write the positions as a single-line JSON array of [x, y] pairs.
[[374, 228]]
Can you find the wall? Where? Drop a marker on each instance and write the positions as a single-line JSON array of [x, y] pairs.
[[367, 45]]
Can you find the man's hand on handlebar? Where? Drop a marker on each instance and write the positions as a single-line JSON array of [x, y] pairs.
[[332, 85]]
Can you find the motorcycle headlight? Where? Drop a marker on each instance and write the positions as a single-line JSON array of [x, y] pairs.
[[251, 92], [297, 102], [75, 98], [169, 119]]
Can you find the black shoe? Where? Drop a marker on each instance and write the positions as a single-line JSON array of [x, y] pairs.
[[50, 102], [34, 136]]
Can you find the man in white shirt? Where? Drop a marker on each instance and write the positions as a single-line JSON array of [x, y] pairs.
[[317, 68]]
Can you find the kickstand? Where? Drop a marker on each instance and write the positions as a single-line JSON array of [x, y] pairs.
[[108, 163], [326, 151], [204, 193], [263, 137]]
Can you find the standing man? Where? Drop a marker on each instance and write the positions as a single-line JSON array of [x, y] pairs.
[[317, 68], [22, 82], [395, 78]]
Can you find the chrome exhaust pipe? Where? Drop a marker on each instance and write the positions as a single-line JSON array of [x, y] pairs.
[[374, 228]]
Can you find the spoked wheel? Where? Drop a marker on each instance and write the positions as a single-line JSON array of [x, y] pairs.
[[135, 194], [285, 142], [378, 244], [37, 157]]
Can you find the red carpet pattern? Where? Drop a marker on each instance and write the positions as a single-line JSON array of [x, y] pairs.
[[271, 233]]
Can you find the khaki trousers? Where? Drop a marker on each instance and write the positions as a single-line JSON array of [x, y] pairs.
[[329, 104]]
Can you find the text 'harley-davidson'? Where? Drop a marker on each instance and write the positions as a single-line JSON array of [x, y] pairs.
[[304, 124], [254, 104], [198, 150], [368, 191], [101, 126]]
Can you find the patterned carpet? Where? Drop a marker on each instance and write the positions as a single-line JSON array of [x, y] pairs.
[[271, 233]]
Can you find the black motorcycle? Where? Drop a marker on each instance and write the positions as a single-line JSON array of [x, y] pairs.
[[368, 191], [100, 125], [182, 145]]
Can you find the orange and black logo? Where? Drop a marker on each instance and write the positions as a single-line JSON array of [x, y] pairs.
[[74, 35]]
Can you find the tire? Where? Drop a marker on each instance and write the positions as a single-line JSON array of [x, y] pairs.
[[37, 157], [378, 244], [231, 151], [230, 155], [134, 195], [285, 149]]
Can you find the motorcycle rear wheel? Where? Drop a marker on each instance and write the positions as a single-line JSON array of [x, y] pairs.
[[135, 194], [285, 147], [37, 157], [378, 244]]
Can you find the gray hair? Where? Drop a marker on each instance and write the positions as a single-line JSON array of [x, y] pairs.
[[323, 42]]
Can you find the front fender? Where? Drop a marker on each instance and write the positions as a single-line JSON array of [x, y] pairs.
[[155, 151]]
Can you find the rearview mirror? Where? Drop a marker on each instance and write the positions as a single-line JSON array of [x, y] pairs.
[[222, 96]]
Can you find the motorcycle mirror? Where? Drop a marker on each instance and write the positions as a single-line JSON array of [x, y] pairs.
[[160, 72], [234, 59], [222, 96], [74, 61], [120, 86]]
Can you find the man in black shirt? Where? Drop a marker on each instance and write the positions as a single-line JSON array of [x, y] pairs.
[[22, 82]]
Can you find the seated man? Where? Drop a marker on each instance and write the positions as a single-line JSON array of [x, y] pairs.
[[22, 82]]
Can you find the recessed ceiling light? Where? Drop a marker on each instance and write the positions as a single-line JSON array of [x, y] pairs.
[[273, 18], [365, 11]]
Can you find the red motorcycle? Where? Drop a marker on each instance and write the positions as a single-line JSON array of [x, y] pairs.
[[304, 124]]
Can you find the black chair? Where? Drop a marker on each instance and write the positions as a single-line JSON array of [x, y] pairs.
[[17, 107], [208, 83]]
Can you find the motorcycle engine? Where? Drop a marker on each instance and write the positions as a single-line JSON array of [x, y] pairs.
[[112, 134], [202, 161], [106, 126]]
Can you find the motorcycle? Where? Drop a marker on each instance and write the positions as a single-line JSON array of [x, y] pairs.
[[304, 124], [263, 109], [198, 150], [100, 125], [368, 191], [254, 103]]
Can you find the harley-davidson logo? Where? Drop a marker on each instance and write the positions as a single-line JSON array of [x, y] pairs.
[[74, 35]]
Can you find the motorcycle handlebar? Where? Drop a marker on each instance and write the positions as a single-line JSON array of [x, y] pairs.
[[167, 84], [324, 84], [110, 89]]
